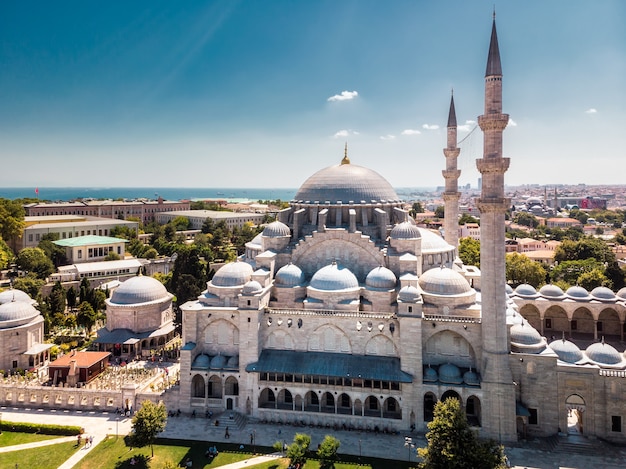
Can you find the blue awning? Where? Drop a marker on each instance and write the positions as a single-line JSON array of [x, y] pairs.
[[330, 364]]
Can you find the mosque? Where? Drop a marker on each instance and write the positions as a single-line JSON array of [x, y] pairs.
[[343, 313]]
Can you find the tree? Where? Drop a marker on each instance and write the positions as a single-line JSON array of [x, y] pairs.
[[70, 296], [147, 423], [440, 211], [11, 219], [467, 218], [452, 443], [86, 316], [592, 279], [296, 451], [57, 299], [520, 269], [469, 251], [327, 452], [6, 255], [526, 219], [570, 271], [29, 284], [416, 208], [112, 256], [35, 260]]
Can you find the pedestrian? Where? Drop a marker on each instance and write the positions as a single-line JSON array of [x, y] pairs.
[[251, 438], [90, 440], [226, 433], [78, 440]]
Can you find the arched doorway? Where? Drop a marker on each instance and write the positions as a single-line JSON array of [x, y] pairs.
[[429, 406], [575, 406], [198, 387], [472, 410]]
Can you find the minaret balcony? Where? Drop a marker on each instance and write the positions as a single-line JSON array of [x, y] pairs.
[[451, 173], [495, 165], [491, 122]]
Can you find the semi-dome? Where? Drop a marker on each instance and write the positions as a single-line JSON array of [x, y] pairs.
[[276, 229], [552, 292], [621, 294], [526, 291], [381, 278], [14, 294], [603, 354], [233, 274], [409, 294], [405, 230], [256, 241], [139, 289], [603, 294], [289, 275], [430, 375], [444, 281], [16, 313], [433, 242], [252, 288], [450, 374], [201, 361], [346, 183], [577, 293], [566, 351], [334, 277]]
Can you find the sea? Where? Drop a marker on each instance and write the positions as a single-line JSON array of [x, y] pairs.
[[55, 194]]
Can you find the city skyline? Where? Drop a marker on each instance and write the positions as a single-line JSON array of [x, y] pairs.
[[262, 95]]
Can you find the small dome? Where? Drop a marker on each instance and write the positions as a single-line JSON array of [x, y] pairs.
[[526, 291], [218, 362], [450, 374], [334, 277], [289, 275], [621, 294], [252, 288], [16, 313], [603, 294], [14, 294], [603, 354], [276, 229], [444, 281], [256, 241], [430, 375], [405, 230], [578, 293], [566, 351], [381, 278], [433, 242], [201, 361], [233, 362], [409, 294], [233, 274], [552, 292], [525, 334], [471, 378], [508, 289], [139, 289]]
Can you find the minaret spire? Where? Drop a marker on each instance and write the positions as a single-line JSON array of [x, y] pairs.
[[496, 371], [345, 160], [451, 175]]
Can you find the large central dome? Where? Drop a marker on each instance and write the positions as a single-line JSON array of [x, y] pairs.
[[346, 183]]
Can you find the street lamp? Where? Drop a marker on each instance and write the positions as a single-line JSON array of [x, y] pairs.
[[408, 442], [117, 421], [359, 450]]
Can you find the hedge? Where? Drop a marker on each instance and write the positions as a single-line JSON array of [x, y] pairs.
[[43, 428]]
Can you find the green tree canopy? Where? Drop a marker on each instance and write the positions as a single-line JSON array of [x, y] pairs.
[[29, 284], [467, 218], [147, 423], [327, 452], [440, 211], [6, 255], [469, 251], [296, 451], [452, 444], [57, 299], [86, 316], [526, 219], [35, 260], [520, 269], [11, 219]]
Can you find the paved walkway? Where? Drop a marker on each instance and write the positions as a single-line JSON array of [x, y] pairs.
[[97, 424], [37, 444]]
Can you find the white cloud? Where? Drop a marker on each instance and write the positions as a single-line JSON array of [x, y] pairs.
[[344, 96], [411, 132], [430, 126], [469, 125], [591, 110], [512, 123], [387, 137], [345, 133]]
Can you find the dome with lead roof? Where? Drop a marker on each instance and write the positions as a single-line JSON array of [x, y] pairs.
[[14, 294], [289, 275], [471, 378], [444, 281], [16, 313], [381, 278], [603, 354], [334, 277], [552, 292], [525, 334], [577, 293], [621, 294], [526, 291], [566, 351], [276, 229], [201, 361], [430, 375], [409, 294], [433, 242], [508, 289], [405, 230], [233, 274], [139, 289], [603, 294], [450, 374], [252, 288], [346, 184]]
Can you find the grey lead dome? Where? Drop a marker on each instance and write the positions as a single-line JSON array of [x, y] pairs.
[[139, 289]]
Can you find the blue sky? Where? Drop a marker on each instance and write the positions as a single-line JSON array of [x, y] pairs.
[[265, 93]]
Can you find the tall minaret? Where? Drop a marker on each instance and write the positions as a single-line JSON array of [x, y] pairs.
[[451, 175], [497, 381]]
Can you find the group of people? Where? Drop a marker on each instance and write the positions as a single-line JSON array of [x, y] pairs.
[[211, 452], [87, 439]]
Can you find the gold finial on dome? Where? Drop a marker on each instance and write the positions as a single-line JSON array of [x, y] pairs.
[[345, 160]]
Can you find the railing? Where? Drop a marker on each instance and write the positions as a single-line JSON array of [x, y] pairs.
[[613, 373], [439, 317], [328, 312]]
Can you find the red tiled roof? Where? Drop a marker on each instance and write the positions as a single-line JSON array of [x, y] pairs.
[[83, 359]]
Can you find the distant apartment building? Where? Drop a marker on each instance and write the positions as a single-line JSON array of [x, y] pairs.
[[198, 217], [563, 223], [471, 230], [66, 227], [143, 210]]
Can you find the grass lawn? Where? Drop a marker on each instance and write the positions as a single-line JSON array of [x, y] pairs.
[[16, 438], [366, 463], [114, 454], [45, 457]]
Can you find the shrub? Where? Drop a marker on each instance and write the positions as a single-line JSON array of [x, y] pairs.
[[43, 428]]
